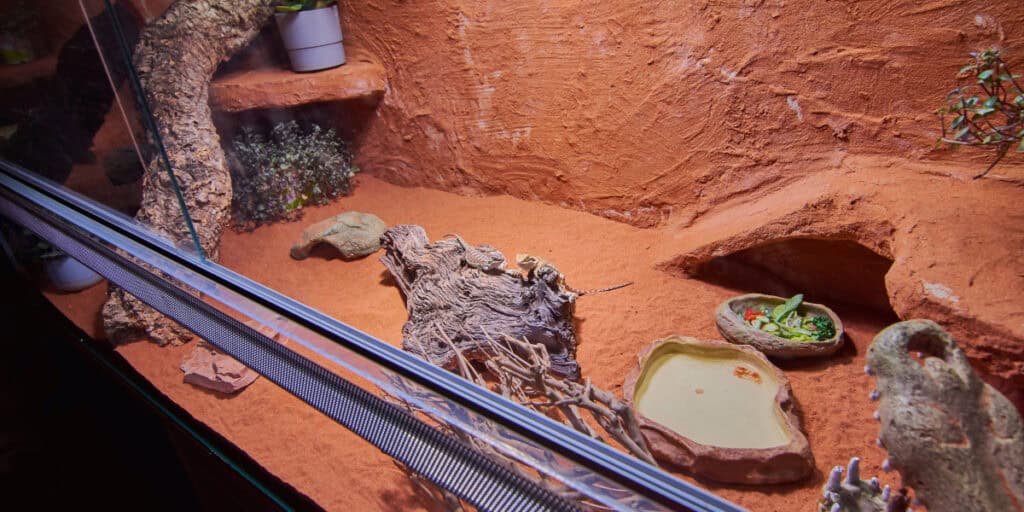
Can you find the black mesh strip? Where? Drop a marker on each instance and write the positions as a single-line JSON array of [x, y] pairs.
[[439, 458]]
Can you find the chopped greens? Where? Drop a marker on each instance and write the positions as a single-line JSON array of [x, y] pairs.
[[785, 322], [824, 328]]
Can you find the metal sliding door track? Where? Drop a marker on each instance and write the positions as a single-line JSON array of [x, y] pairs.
[[82, 229]]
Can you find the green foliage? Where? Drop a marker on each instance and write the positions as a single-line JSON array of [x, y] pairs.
[[302, 5], [823, 328], [987, 110], [274, 177]]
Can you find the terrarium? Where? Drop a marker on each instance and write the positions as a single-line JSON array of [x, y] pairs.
[[616, 256]]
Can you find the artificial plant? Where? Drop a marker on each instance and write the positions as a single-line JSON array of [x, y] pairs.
[[987, 109]]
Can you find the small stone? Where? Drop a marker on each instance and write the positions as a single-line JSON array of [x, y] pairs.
[[353, 234], [207, 368]]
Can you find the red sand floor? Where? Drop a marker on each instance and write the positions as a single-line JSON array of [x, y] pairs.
[[341, 472]]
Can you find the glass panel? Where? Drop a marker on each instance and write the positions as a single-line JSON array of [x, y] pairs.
[[62, 118], [290, 138]]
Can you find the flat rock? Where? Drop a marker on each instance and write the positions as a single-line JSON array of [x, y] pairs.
[[353, 234], [956, 440], [724, 442], [732, 327], [208, 368], [283, 88]]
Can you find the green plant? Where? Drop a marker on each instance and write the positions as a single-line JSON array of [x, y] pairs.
[[988, 110], [274, 176], [302, 5]]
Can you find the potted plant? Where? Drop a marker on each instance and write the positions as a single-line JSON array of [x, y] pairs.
[[311, 31], [65, 273]]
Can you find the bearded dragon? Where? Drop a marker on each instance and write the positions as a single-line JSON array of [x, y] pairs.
[[488, 262], [531, 264]]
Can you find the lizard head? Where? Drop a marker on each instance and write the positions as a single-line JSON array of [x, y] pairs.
[[527, 262]]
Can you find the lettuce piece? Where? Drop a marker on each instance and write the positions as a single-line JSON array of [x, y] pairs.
[[788, 307]]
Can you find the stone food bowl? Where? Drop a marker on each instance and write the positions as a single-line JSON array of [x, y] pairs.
[[719, 411], [730, 323]]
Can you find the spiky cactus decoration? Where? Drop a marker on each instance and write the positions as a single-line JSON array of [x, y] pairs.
[[851, 494]]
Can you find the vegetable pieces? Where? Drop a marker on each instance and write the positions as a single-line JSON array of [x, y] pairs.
[[785, 322]]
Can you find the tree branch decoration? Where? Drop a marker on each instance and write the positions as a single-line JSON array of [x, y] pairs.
[[988, 111], [520, 371]]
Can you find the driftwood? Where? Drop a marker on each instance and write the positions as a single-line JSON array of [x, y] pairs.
[[458, 295], [520, 371], [176, 58]]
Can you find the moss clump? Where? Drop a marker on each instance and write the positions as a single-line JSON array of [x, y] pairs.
[[273, 176]]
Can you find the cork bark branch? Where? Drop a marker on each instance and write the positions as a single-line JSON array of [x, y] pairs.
[[176, 57]]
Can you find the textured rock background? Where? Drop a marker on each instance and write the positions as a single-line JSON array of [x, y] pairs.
[[637, 111]]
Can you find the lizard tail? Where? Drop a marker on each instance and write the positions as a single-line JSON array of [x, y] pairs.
[[599, 290]]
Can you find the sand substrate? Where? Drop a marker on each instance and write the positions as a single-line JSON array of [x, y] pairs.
[[342, 472]]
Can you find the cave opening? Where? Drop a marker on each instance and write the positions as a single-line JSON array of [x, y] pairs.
[[839, 273]]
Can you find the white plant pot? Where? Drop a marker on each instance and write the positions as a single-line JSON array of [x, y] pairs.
[[69, 275], [312, 38]]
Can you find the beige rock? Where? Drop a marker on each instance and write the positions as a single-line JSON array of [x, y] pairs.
[[353, 234]]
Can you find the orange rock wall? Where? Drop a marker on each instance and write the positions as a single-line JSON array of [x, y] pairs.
[[635, 109]]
